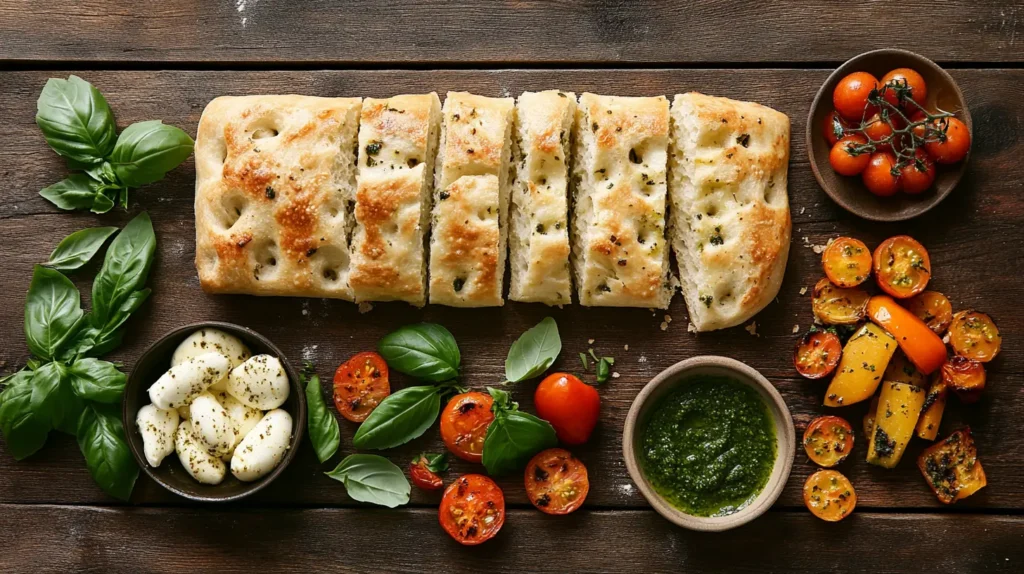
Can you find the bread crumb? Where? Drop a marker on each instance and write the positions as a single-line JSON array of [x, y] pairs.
[[691, 328], [642, 359], [796, 328], [752, 328], [365, 307], [806, 240], [625, 347], [615, 374], [802, 210], [668, 318], [945, 338], [664, 326], [590, 341], [803, 290]]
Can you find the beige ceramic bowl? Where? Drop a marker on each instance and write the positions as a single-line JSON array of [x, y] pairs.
[[683, 373]]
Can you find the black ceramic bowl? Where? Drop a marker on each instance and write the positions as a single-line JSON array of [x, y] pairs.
[[170, 474]]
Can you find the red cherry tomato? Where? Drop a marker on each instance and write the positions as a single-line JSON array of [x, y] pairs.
[[918, 175], [472, 509], [843, 158], [360, 384], [908, 78], [878, 175], [953, 145], [423, 476], [878, 130], [834, 127], [570, 405], [556, 481], [464, 424], [850, 97]]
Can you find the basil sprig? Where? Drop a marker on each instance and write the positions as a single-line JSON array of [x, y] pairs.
[[400, 417], [79, 125], [513, 436], [323, 427], [374, 479], [64, 386], [533, 352], [426, 351]]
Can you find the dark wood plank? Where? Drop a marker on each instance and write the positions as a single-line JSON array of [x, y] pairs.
[[974, 237], [67, 539], [438, 31]]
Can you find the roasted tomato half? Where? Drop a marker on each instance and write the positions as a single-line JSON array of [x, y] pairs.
[[818, 354], [464, 424], [360, 384], [424, 468], [975, 336], [828, 440], [933, 308], [902, 267], [838, 306], [847, 262], [964, 377], [472, 509], [952, 468], [829, 495], [556, 481]]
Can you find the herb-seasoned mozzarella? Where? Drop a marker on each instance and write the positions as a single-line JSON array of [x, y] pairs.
[[157, 427], [243, 418], [179, 385], [211, 341], [199, 463], [263, 447], [260, 382], [211, 425]]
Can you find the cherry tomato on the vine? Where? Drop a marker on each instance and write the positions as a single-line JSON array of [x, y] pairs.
[[878, 176], [845, 160], [850, 96], [905, 77], [918, 175], [953, 145], [834, 127]]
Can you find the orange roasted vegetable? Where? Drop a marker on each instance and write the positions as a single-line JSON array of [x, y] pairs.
[[964, 377], [934, 406], [919, 343], [952, 468]]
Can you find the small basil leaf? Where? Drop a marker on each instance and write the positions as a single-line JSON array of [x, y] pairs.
[[603, 370], [125, 268], [533, 352], [75, 192], [399, 418], [374, 479], [513, 436], [101, 439], [502, 402], [323, 427], [25, 430], [102, 202], [77, 249], [52, 309], [426, 351], [146, 151], [76, 120], [435, 462], [97, 380]]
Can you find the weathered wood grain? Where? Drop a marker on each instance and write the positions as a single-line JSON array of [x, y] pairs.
[[974, 237], [423, 32]]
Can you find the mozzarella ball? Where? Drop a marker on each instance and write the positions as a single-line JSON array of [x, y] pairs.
[[211, 425], [157, 427], [199, 463], [179, 385], [260, 382], [263, 447], [243, 418], [211, 341]]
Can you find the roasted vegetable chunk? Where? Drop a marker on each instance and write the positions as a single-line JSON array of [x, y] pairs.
[[952, 468]]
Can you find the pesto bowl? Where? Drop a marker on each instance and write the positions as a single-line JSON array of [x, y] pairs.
[[677, 377]]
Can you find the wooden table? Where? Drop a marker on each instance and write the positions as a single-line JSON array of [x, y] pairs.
[[168, 59]]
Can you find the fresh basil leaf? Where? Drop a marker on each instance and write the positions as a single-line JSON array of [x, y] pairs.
[[435, 462], [101, 439], [96, 341], [25, 430], [513, 436], [146, 151], [533, 352], [75, 192], [374, 479], [97, 380], [502, 402], [52, 396], [323, 427], [76, 120], [52, 310], [603, 370], [426, 351], [125, 269], [77, 249], [399, 418]]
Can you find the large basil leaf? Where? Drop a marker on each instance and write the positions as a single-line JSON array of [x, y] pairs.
[[76, 120], [25, 430], [52, 309], [533, 352], [323, 427], [426, 351], [96, 380], [374, 479], [125, 269], [513, 436], [146, 151], [77, 249], [78, 191], [399, 418], [101, 439]]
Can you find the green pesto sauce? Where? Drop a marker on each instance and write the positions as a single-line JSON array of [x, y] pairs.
[[709, 447]]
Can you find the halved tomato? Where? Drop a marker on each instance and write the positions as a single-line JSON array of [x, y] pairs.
[[817, 354], [933, 308], [964, 377], [556, 481], [472, 509], [828, 440], [838, 306], [902, 266], [424, 468], [847, 262], [829, 495], [975, 336], [360, 384], [464, 424]]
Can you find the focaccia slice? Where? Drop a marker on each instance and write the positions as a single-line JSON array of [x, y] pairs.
[[620, 255], [471, 195], [539, 246], [730, 223], [274, 176], [397, 142]]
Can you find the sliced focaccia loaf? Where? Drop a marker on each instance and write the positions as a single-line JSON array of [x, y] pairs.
[[730, 223], [539, 241], [620, 256], [274, 177], [471, 195], [397, 143]]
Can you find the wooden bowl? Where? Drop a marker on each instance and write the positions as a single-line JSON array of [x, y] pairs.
[[849, 192], [686, 372], [171, 474]]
